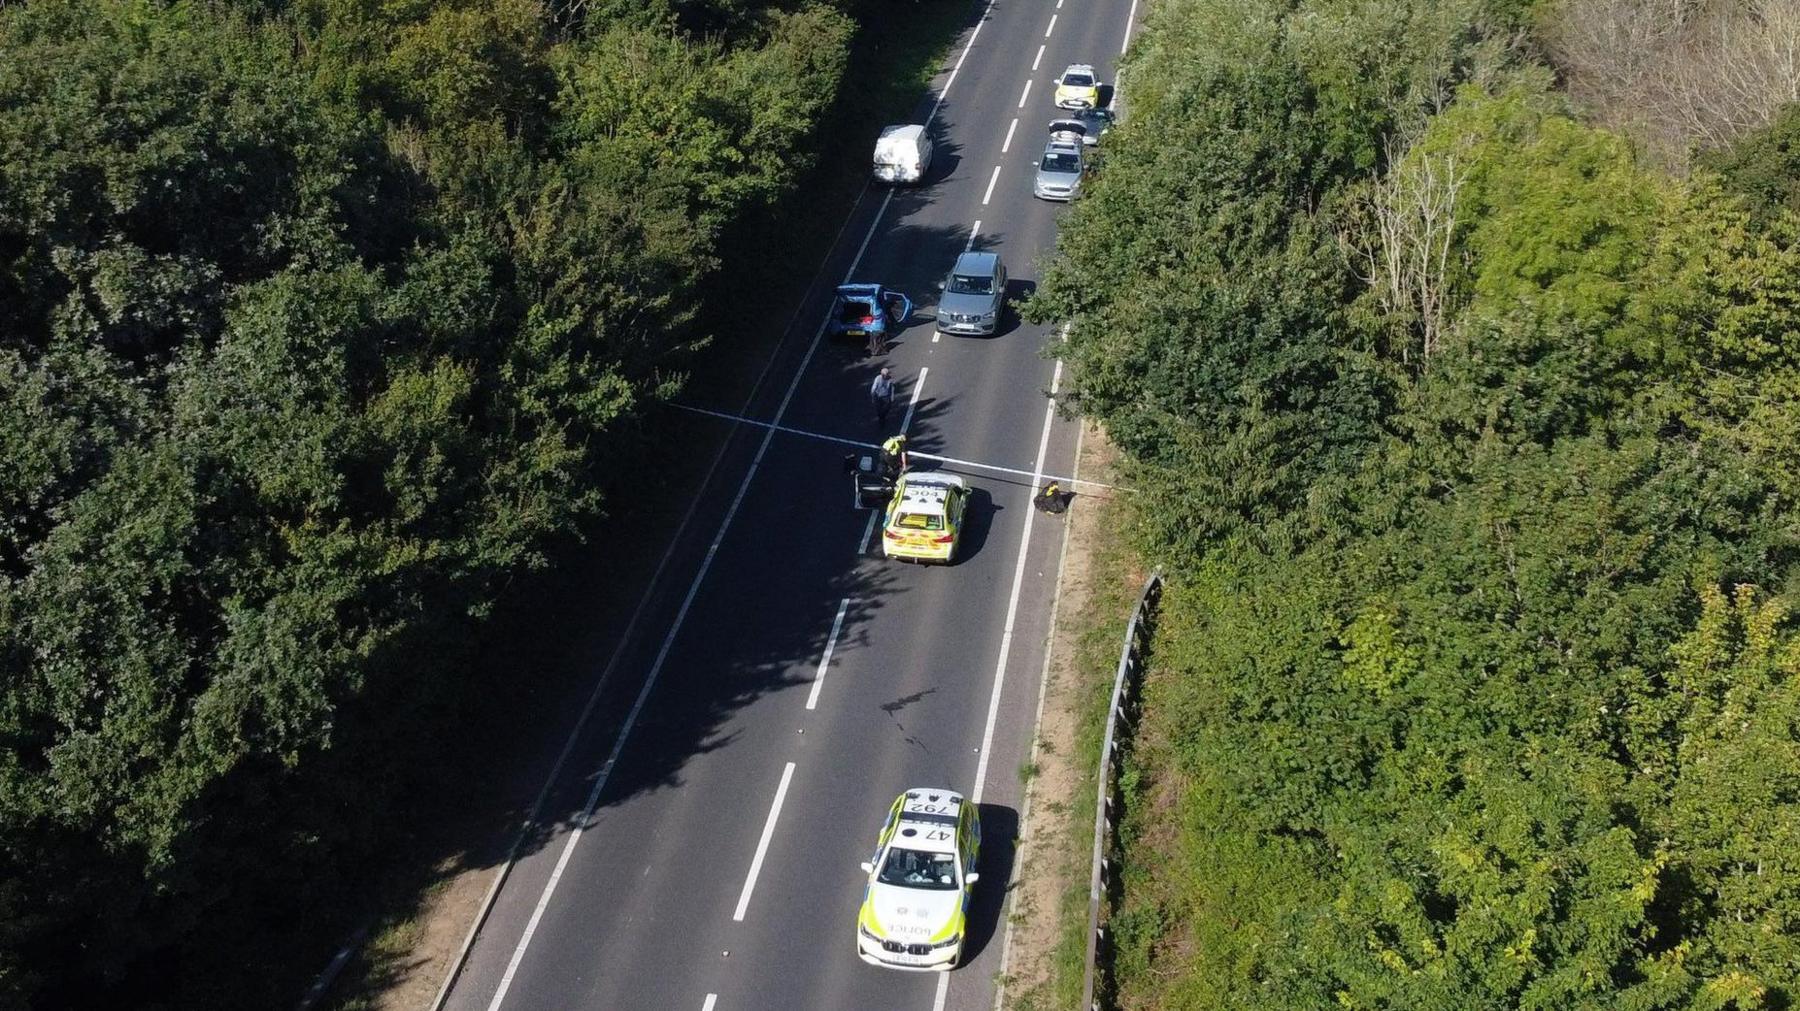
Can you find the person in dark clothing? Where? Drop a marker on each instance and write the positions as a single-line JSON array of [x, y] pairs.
[[881, 394], [1052, 499]]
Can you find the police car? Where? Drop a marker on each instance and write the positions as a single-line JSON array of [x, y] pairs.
[[916, 904], [924, 519]]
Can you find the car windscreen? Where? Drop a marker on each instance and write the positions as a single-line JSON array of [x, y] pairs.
[[1058, 161], [919, 521], [919, 869], [971, 284], [1078, 80]]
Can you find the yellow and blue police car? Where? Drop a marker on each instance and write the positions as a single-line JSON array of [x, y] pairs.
[[924, 519], [915, 907]]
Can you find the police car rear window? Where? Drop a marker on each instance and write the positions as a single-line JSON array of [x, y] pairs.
[[920, 521]]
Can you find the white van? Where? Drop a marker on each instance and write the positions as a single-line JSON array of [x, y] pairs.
[[902, 154]]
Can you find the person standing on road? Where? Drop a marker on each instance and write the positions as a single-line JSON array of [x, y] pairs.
[[881, 394], [894, 460]]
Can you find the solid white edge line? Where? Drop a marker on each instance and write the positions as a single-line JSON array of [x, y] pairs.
[[989, 195], [693, 588], [637, 705], [1039, 58], [1012, 600], [1130, 19], [1024, 93], [454, 971], [711, 999], [1007, 146], [945, 93], [1037, 727], [837, 625], [1006, 635], [1052, 27], [762, 845]]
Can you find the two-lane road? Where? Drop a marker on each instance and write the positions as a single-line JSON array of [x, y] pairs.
[[701, 841]]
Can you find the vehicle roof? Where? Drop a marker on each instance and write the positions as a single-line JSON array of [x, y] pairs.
[[923, 499], [858, 290], [908, 131], [1063, 145], [1079, 68], [976, 263], [929, 819]]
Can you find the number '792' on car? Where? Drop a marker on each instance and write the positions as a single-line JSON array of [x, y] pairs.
[[915, 907]]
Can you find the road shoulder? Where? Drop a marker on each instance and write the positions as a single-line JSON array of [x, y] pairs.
[[1099, 581]]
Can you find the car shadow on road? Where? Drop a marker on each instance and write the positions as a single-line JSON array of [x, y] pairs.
[[977, 522], [999, 849]]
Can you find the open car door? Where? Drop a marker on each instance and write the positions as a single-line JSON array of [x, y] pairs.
[[899, 307]]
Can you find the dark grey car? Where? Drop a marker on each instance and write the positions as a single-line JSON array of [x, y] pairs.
[[974, 295]]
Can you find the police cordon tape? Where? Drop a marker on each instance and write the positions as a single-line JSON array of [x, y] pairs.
[[951, 461]]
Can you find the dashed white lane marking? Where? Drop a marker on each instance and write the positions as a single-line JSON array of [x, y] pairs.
[[1052, 27], [762, 845], [862, 548], [711, 999], [837, 625], [1022, 94], [1039, 58], [1007, 146], [989, 195], [913, 404], [974, 230]]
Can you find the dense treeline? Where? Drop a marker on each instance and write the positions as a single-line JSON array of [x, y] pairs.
[[317, 322], [1472, 439]]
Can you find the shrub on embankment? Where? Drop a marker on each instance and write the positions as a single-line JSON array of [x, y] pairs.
[[1471, 436], [318, 322]]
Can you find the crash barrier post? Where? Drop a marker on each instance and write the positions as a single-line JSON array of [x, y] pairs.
[[1119, 721]]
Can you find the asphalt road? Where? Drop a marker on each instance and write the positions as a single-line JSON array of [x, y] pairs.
[[701, 839]]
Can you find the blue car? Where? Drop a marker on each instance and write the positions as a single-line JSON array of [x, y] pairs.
[[863, 309]]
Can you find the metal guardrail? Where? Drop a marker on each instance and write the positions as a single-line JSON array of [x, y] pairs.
[[1118, 718]]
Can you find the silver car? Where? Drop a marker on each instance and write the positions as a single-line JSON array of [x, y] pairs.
[[974, 295], [1059, 171]]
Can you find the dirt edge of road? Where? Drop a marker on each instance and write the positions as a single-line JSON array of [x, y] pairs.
[[1099, 581]]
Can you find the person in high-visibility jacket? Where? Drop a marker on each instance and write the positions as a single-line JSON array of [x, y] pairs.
[[893, 457]]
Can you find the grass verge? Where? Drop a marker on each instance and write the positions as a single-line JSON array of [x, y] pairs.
[[1100, 582]]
